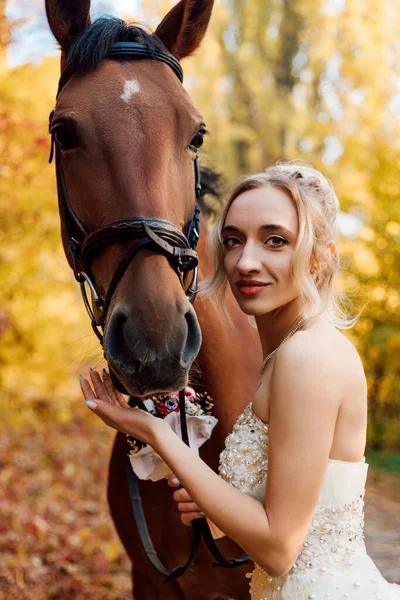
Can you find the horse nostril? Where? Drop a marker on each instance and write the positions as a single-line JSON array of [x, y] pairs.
[[115, 339], [150, 359], [193, 338]]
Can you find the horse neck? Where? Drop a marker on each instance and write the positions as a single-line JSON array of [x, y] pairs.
[[230, 355]]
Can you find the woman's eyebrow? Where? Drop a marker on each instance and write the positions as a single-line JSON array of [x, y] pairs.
[[276, 228], [269, 227]]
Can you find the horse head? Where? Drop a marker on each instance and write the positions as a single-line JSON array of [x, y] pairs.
[[127, 135]]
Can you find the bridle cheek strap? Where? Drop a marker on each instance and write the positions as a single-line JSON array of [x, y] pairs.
[[123, 265]]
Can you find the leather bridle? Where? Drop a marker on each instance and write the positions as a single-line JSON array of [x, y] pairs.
[[153, 233], [146, 233]]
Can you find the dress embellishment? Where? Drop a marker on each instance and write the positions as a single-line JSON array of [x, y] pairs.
[[336, 530], [244, 461], [333, 563]]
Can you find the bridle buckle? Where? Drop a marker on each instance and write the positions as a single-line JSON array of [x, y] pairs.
[[96, 298]]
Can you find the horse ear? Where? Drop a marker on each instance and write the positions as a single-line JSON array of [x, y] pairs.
[[67, 19], [183, 28]]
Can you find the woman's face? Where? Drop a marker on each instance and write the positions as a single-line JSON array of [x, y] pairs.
[[259, 238]]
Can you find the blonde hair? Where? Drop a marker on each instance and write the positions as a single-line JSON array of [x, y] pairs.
[[317, 207]]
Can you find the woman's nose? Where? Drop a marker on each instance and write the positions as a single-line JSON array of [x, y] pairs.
[[249, 262]]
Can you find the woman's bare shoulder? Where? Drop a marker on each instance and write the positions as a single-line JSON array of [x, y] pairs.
[[330, 350]]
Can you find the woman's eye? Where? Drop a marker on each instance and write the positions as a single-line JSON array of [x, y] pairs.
[[66, 138], [229, 242], [198, 139], [277, 239]]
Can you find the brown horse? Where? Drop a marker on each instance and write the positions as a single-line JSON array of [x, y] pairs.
[[127, 130]]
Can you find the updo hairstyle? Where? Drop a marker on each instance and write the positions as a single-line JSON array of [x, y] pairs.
[[313, 267]]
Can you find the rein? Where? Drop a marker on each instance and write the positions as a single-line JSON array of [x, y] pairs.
[[162, 236]]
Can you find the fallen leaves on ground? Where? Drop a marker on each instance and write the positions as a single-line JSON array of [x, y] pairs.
[[57, 540], [56, 536]]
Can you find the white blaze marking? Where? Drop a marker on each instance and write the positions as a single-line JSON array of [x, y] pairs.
[[131, 87]]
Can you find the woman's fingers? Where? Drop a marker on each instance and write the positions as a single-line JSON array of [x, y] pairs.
[[103, 389], [117, 417], [187, 518], [100, 388], [112, 392], [181, 495], [173, 481], [138, 423], [187, 507], [108, 385], [86, 388]]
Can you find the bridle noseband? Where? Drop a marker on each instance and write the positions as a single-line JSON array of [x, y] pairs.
[[146, 233], [157, 234]]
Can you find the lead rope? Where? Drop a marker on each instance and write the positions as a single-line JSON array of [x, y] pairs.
[[138, 511], [199, 526]]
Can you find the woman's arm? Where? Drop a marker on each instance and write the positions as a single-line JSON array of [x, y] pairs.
[[303, 415]]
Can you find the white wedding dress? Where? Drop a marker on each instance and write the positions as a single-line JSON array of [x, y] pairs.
[[333, 563]]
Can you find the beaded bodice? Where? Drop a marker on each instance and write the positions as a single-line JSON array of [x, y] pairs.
[[335, 538], [336, 526], [244, 461]]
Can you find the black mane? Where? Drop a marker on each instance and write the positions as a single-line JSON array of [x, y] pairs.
[[90, 48], [210, 201]]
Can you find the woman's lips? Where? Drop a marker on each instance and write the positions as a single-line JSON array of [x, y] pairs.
[[251, 289]]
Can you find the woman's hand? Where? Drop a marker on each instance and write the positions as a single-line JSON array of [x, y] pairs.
[[188, 509], [111, 406]]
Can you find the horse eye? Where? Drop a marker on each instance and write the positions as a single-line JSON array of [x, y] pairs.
[[198, 139], [66, 137]]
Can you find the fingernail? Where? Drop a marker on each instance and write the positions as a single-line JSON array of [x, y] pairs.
[[90, 369], [201, 513], [91, 404], [175, 481], [80, 377]]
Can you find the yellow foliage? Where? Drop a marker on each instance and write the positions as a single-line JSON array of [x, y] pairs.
[[365, 260], [379, 293], [393, 228], [273, 80], [367, 234]]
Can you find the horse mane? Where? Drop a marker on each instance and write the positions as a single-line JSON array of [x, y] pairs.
[[210, 201], [91, 47]]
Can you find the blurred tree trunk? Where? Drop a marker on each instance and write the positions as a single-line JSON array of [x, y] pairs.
[[4, 35], [289, 37]]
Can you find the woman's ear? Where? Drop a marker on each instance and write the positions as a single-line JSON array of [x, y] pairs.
[[320, 266], [333, 247]]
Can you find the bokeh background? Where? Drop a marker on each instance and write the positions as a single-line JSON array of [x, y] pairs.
[[311, 79]]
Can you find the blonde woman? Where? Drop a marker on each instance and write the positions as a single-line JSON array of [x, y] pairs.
[[293, 472]]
